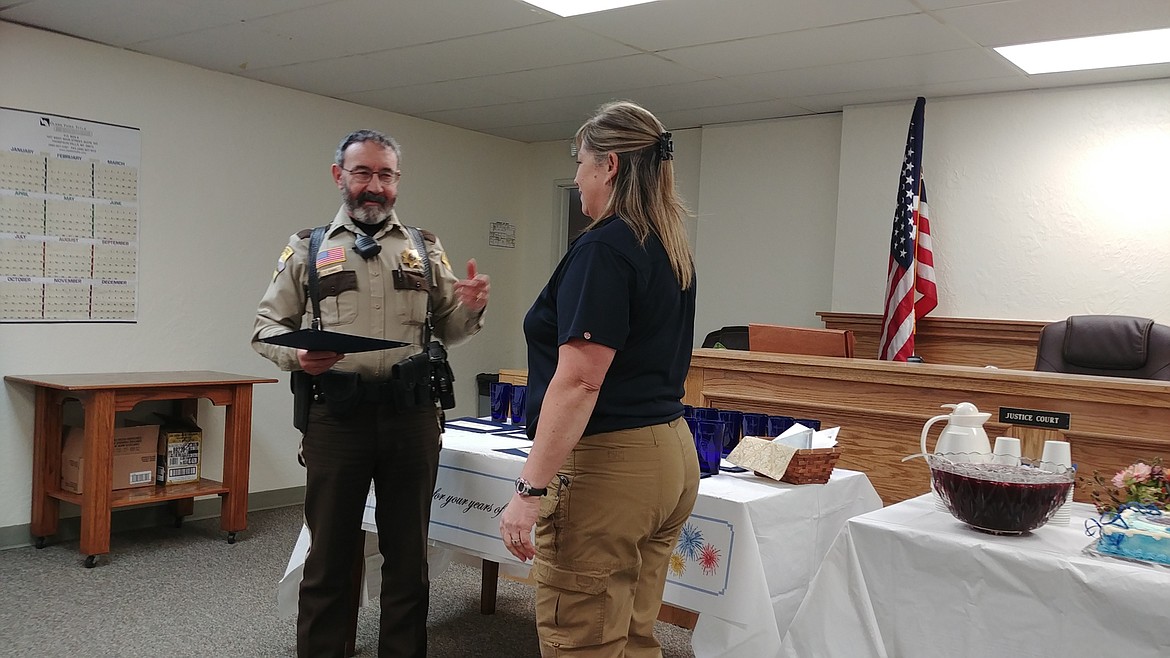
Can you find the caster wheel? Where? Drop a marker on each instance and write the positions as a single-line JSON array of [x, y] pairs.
[[231, 537], [91, 562], [40, 542]]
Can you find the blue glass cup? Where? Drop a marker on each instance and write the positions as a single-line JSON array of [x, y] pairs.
[[732, 426], [708, 442], [501, 398], [706, 413], [777, 425], [519, 399], [811, 423], [754, 424]]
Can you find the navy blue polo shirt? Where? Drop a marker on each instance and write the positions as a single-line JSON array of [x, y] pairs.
[[608, 289]]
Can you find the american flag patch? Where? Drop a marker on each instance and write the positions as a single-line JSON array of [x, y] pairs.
[[330, 256]]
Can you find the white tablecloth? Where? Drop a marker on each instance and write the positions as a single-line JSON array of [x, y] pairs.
[[909, 581], [750, 548]]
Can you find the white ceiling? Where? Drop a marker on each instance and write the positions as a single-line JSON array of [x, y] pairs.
[[505, 68]]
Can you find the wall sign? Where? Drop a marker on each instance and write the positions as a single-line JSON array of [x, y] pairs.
[[1055, 420]]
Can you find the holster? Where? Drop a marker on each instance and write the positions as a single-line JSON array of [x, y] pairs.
[[301, 384], [413, 378]]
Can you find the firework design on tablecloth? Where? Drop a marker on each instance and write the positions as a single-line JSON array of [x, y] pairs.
[[709, 559], [690, 542], [678, 564]]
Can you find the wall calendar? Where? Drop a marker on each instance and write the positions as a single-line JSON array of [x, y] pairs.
[[68, 219]]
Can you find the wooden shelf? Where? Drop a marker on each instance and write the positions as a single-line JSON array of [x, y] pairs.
[[153, 494], [102, 395]]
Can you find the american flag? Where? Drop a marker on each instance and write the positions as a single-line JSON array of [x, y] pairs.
[[910, 286], [330, 256]]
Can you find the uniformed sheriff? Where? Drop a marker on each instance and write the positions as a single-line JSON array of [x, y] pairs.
[[375, 414]]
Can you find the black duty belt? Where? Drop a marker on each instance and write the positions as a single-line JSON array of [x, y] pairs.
[[402, 394]]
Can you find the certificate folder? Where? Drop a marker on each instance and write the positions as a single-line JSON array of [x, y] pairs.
[[331, 341]]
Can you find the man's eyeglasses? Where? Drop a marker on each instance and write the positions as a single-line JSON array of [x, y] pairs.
[[363, 176]]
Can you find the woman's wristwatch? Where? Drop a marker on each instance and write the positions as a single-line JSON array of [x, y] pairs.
[[525, 488]]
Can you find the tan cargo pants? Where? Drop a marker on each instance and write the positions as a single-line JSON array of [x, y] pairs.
[[604, 538]]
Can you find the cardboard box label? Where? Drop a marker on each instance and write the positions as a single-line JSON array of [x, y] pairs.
[[178, 455]]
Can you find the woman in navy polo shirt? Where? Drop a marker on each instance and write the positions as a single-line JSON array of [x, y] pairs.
[[613, 474]]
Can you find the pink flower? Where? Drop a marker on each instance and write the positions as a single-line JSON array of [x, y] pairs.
[[1141, 471], [1133, 474]]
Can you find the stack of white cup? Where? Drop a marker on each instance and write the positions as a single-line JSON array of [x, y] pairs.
[[1006, 451], [1055, 458]]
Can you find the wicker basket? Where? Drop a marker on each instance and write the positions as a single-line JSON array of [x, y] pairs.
[[811, 466]]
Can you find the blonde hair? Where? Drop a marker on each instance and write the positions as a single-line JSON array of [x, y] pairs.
[[643, 191]]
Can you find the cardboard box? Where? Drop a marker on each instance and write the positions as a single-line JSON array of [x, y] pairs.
[[180, 443], [134, 458]]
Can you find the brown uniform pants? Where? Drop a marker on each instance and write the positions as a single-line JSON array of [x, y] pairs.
[[604, 538], [400, 452]]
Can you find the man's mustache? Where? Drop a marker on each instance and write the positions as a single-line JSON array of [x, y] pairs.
[[370, 196]]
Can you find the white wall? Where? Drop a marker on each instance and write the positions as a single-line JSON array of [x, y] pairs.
[[767, 221], [231, 168], [1044, 204]]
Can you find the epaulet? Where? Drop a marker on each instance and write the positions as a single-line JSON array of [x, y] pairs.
[[428, 236], [304, 233]]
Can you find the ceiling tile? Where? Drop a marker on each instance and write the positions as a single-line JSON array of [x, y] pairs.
[[1026, 21], [615, 74], [114, 22], [362, 26], [430, 97], [235, 48], [690, 95], [678, 23], [876, 39], [543, 45], [910, 71], [577, 108]]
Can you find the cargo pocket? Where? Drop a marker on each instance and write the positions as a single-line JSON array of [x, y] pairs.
[[550, 519], [570, 606]]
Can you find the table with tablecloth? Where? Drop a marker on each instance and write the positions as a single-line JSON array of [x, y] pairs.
[[744, 559], [910, 580]]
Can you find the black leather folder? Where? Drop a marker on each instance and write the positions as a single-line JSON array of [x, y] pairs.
[[320, 340]]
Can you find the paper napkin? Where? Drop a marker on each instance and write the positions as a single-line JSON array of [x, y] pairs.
[[765, 457]]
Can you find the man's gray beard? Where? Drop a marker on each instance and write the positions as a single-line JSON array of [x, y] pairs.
[[368, 215], [359, 212]]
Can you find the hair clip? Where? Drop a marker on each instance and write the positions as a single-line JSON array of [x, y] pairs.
[[665, 147]]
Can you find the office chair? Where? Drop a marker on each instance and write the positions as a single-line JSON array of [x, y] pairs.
[[1106, 345], [734, 337], [800, 340]]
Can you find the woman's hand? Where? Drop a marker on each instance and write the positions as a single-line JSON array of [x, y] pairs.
[[516, 526]]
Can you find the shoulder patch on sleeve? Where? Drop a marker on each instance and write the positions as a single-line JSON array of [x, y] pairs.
[[428, 236], [304, 233]]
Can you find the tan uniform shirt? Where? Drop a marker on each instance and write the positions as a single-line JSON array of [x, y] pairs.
[[383, 297]]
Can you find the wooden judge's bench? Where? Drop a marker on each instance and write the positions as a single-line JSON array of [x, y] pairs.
[[882, 406]]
